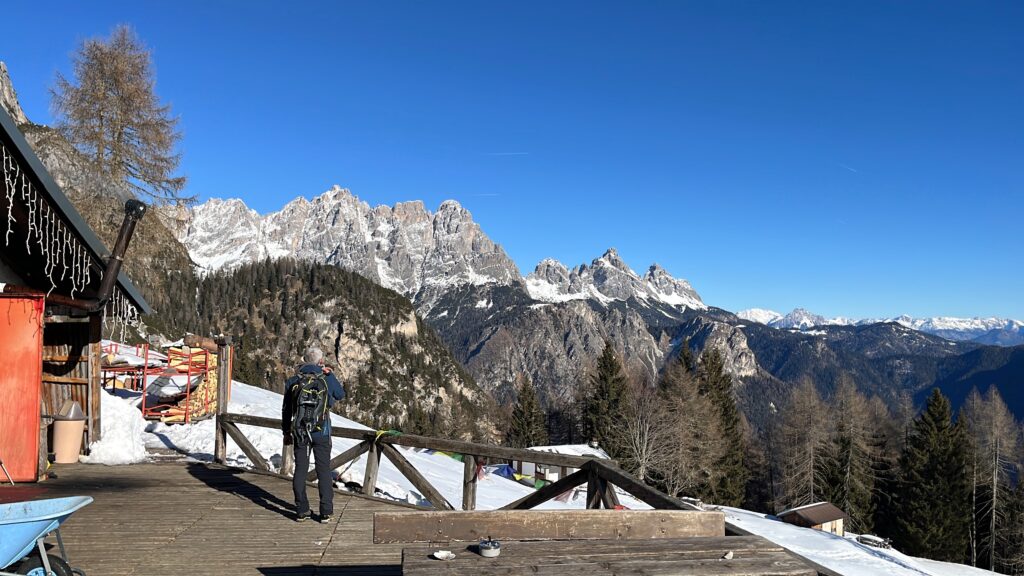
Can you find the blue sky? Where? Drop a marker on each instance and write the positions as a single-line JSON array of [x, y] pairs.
[[854, 158]]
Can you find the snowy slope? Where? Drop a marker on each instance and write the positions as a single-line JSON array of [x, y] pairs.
[[843, 555]]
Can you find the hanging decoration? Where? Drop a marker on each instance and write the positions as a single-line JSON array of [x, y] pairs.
[[66, 260]]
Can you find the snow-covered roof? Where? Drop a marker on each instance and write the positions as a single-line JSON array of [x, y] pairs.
[[814, 514], [584, 450]]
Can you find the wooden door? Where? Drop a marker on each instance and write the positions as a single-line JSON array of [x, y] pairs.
[[21, 365]]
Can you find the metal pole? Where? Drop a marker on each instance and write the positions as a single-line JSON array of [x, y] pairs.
[[6, 473]]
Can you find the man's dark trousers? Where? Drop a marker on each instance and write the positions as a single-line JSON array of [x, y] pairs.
[[322, 457]]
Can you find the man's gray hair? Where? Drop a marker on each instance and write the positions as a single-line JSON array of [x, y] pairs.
[[313, 356]]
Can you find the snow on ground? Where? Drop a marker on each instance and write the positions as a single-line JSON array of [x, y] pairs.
[[844, 555], [121, 434], [444, 473]]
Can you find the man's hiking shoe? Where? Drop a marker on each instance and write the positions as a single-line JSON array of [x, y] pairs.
[[302, 517], [326, 518]]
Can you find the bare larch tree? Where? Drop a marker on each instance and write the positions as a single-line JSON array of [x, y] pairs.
[[110, 112]]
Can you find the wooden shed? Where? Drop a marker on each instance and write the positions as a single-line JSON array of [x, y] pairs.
[[58, 285], [819, 516]]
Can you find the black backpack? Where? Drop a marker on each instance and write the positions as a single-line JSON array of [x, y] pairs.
[[309, 405]]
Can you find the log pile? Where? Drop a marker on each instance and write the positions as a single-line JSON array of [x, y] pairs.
[[202, 400]]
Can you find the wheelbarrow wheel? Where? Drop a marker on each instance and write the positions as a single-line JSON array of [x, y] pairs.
[[33, 566]]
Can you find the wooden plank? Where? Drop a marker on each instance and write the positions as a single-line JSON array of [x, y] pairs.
[[641, 491], [608, 496], [64, 380], [468, 482], [593, 490], [548, 492], [58, 319], [694, 547], [544, 525], [223, 384], [698, 555], [409, 471], [372, 466], [248, 449], [444, 445], [95, 351], [343, 458]]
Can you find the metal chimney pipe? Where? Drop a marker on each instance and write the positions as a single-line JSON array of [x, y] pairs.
[[133, 212]]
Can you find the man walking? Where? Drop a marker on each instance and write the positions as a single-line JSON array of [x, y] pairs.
[[306, 422]]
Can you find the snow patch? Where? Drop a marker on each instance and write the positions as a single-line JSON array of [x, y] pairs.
[[121, 428]]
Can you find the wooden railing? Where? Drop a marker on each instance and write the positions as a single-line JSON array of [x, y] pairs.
[[600, 476]]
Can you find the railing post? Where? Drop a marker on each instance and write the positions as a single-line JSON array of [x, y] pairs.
[[224, 360], [468, 482], [593, 489], [372, 465]]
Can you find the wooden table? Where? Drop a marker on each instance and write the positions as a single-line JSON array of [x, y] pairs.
[[751, 556]]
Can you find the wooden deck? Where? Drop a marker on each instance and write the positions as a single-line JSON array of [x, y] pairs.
[[176, 517], [180, 518]]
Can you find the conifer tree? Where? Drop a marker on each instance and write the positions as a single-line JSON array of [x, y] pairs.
[[933, 506], [685, 447], [890, 433], [111, 113], [804, 445], [993, 438], [716, 384], [853, 456], [603, 398], [526, 425]]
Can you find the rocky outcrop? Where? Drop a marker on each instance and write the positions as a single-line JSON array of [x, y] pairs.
[[9, 98]]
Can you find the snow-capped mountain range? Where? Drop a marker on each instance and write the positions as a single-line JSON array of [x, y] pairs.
[[407, 248], [424, 254], [1002, 331]]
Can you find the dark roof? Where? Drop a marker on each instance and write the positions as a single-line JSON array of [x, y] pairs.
[[812, 514], [59, 202]]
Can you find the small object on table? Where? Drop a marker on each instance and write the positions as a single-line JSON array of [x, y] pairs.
[[490, 548], [444, 555]]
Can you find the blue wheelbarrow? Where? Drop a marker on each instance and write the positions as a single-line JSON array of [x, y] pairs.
[[24, 525]]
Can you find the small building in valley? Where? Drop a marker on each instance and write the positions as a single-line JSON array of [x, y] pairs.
[[820, 516]]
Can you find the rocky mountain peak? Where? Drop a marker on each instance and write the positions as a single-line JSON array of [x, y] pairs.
[[609, 279], [403, 247], [612, 259], [800, 319], [9, 98]]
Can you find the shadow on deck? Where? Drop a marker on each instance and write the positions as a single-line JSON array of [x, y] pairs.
[[189, 518]]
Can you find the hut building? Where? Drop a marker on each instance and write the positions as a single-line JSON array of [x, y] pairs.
[[819, 516], [58, 284]]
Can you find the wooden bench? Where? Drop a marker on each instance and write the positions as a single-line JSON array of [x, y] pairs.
[[471, 526], [750, 556]]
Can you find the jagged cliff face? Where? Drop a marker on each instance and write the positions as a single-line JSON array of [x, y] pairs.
[[9, 98], [403, 247]]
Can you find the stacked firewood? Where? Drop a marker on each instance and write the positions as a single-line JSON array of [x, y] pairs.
[[202, 400]]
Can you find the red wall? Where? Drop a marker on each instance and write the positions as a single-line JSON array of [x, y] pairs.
[[21, 366]]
